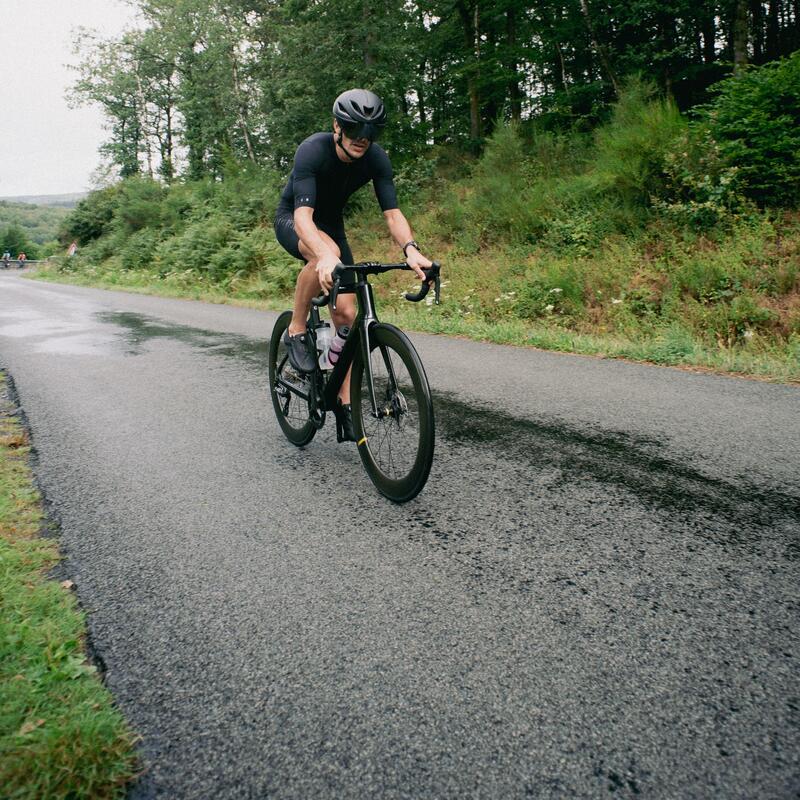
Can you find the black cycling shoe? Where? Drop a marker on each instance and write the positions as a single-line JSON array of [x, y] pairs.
[[344, 422], [298, 348]]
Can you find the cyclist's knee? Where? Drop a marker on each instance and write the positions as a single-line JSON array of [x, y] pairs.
[[345, 312]]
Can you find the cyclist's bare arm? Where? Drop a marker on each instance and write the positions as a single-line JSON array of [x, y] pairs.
[[401, 233]]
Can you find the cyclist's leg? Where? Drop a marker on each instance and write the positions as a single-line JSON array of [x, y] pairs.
[[307, 284], [345, 313]]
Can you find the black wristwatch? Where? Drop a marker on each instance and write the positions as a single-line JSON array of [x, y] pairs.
[[407, 245]]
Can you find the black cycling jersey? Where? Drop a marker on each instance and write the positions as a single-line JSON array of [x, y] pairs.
[[322, 181]]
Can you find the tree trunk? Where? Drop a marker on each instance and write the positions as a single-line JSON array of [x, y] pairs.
[[756, 14], [740, 36], [469, 19], [772, 31], [240, 107], [600, 51], [709, 38], [421, 95], [514, 93], [141, 112]]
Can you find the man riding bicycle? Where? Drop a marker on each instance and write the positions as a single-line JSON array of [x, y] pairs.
[[328, 169]]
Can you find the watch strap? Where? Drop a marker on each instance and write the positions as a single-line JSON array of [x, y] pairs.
[[407, 245]]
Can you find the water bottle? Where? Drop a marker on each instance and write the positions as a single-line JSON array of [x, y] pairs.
[[324, 339], [337, 344]]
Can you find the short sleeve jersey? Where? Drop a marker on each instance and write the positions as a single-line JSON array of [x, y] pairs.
[[322, 181]]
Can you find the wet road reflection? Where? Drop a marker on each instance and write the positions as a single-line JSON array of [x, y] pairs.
[[475, 440], [138, 330]]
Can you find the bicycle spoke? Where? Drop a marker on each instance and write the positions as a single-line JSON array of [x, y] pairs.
[[395, 435]]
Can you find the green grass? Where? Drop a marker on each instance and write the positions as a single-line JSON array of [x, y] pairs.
[[60, 734]]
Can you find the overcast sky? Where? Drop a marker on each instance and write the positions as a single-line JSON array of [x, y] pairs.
[[46, 147]]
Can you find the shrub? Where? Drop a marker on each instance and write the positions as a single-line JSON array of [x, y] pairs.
[[550, 290], [91, 218], [700, 190], [755, 123], [735, 322], [503, 203], [632, 148], [139, 249], [140, 204]]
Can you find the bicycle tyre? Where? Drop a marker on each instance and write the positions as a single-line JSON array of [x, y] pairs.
[[293, 413], [397, 449]]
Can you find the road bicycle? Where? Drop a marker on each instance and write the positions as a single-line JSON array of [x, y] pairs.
[[390, 396]]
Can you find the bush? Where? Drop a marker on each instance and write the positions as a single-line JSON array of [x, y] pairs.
[[140, 204], [197, 247], [550, 290], [139, 249], [14, 240], [755, 123], [632, 148], [735, 322], [91, 218], [502, 204]]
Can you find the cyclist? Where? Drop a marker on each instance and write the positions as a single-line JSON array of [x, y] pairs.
[[328, 169], [21, 258], [6, 259]]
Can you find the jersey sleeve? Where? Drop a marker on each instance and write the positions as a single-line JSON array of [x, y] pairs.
[[383, 180], [306, 164]]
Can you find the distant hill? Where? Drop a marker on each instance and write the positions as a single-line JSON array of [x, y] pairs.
[[37, 223], [63, 200]]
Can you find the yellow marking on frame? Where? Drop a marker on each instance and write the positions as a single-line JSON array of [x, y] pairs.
[[362, 441]]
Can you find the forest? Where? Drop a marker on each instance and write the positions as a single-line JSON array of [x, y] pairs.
[[607, 177]]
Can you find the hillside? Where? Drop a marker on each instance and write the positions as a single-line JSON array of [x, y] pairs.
[[58, 200], [30, 228], [655, 236]]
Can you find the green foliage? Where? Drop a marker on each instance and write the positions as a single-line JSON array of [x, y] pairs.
[[139, 204], [14, 240], [139, 248], [632, 148], [92, 217], [754, 123], [565, 190], [39, 223]]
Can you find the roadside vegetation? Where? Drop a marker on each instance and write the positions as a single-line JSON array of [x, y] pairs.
[[60, 734], [657, 236]]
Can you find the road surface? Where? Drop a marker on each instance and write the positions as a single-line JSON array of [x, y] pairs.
[[596, 594]]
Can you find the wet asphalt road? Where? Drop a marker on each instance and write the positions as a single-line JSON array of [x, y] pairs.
[[596, 594]]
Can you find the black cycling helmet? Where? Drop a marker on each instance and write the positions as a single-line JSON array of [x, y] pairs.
[[360, 113]]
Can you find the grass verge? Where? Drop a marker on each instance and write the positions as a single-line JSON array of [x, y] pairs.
[[670, 347], [60, 734]]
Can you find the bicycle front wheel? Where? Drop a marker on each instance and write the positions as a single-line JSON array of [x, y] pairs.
[[289, 389], [396, 444]]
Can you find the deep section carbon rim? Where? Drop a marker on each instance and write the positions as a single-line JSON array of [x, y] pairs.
[[396, 446], [289, 389]]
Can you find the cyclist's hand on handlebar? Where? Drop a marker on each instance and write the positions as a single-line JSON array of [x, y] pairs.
[[325, 267], [417, 262]]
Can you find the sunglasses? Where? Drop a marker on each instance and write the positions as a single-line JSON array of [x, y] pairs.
[[361, 130]]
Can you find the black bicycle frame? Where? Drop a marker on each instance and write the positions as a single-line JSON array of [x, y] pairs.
[[359, 335]]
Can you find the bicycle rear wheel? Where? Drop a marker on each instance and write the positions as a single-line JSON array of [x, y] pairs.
[[396, 447], [293, 412]]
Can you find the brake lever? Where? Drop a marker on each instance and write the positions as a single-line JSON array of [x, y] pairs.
[[334, 291]]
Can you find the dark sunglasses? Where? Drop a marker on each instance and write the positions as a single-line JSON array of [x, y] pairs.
[[361, 130]]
